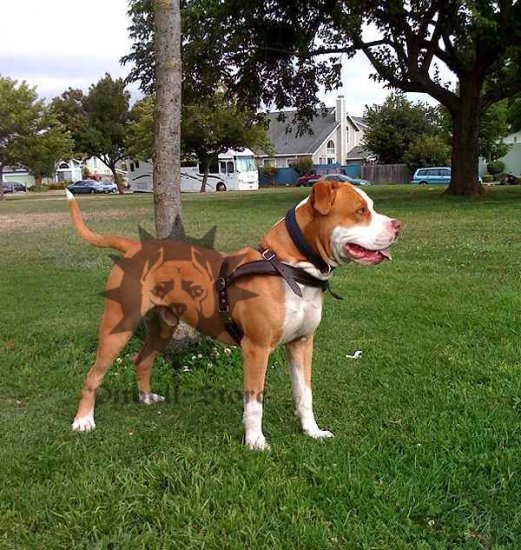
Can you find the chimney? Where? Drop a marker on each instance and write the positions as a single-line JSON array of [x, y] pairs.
[[341, 116]]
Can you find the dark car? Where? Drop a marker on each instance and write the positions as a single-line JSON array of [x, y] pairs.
[[346, 179], [12, 186], [86, 186], [308, 179]]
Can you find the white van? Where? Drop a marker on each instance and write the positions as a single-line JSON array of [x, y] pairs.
[[232, 171]]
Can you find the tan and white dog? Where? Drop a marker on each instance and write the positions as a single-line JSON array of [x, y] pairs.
[[337, 220]]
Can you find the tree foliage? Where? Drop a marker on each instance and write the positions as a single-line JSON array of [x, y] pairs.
[[46, 144], [20, 111], [427, 150], [514, 113], [282, 52], [69, 109], [97, 121], [396, 124]]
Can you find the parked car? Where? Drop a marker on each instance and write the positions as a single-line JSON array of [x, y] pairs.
[[308, 179], [346, 179], [86, 186], [13, 186], [435, 174], [108, 187]]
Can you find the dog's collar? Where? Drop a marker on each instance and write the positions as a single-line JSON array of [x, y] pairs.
[[302, 245]]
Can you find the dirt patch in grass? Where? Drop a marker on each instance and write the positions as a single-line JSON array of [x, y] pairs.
[[30, 222]]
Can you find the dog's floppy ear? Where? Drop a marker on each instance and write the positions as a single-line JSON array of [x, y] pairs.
[[323, 196]]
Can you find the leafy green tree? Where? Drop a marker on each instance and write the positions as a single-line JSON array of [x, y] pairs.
[[211, 128], [493, 128], [97, 122], [427, 150], [396, 124], [514, 113], [20, 110], [140, 132], [39, 150], [282, 52], [69, 109], [107, 113]]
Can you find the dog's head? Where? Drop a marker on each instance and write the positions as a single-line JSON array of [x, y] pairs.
[[345, 226]]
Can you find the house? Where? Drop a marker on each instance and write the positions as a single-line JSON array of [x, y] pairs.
[[512, 159], [72, 170], [336, 138]]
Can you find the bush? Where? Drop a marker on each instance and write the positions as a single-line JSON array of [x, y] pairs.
[[488, 178], [427, 151], [303, 165], [495, 167]]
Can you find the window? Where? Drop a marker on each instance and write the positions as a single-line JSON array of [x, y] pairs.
[[515, 139], [222, 167], [330, 161], [268, 162], [214, 167], [245, 164], [132, 167], [137, 164], [330, 147]]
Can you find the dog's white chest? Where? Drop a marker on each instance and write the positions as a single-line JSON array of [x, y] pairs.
[[302, 315]]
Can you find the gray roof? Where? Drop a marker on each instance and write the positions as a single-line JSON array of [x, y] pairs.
[[358, 152], [287, 143], [359, 121]]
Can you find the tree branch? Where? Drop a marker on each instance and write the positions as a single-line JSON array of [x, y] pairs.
[[500, 92]]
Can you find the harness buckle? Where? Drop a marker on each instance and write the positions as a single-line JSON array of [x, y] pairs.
[[220, 284], [268, 254]]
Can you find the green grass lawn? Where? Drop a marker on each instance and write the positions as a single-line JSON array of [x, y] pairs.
[[427, 452]]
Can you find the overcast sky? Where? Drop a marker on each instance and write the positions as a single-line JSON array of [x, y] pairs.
[[56, 44]]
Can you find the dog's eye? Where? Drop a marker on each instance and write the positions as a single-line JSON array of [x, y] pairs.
[[362, 211]]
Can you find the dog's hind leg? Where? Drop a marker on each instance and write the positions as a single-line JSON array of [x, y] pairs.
[[159, 333], [111, 341]]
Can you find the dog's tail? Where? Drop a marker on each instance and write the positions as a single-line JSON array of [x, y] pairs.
[[102, 241]]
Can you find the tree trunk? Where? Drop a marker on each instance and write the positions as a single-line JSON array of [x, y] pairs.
[[206, 169], [465, 142], [38, 181], [2, 196], [167, 120], [117, 180]]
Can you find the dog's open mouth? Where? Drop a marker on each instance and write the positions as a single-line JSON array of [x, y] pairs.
[[364, 255]]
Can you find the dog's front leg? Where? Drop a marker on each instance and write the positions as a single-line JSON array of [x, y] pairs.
[[255, 362], [300, 355]]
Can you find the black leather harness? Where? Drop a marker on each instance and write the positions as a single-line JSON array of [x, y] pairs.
[[271, 265]]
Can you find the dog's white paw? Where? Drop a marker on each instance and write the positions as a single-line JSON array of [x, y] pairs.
[[256, 442], [150, 398], [84, 424], [319, 434]]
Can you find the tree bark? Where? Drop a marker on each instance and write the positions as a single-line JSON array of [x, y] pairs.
[[117, 180], [167, 120], [38, 181], [2, 196], [206, 169], [465, 141]]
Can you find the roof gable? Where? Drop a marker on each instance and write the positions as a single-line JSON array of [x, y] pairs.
[[283, 134]]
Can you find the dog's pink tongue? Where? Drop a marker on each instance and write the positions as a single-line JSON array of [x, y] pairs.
[[371, 256]]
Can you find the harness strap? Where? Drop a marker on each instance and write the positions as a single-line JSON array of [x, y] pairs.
[[269, 265]]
